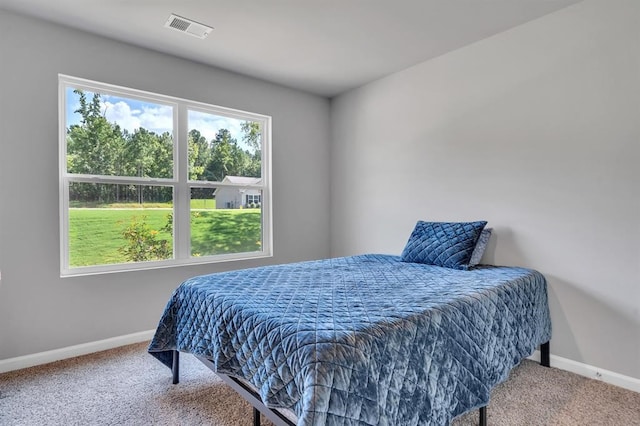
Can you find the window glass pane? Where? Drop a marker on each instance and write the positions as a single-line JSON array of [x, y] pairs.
[[118, 136], [119, 223], [223, 222], [222, 149]]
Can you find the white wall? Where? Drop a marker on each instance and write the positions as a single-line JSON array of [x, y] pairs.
[[535, 130], [40, 311]]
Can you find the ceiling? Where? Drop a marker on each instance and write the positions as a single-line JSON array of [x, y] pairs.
[[320, 46]]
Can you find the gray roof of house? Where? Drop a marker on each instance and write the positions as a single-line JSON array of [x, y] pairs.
[[241, 180]]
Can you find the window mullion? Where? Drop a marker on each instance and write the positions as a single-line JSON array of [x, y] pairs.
[[182, 193], [118, 180]]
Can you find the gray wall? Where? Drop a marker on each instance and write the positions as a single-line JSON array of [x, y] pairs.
[[535, 130], [40, 311]]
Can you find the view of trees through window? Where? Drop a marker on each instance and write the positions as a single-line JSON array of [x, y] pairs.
[[122, 176]]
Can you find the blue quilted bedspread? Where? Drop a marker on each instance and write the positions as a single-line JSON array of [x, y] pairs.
[[362, 340]]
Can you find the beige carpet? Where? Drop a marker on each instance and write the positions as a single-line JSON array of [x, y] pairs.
[[126, 386]]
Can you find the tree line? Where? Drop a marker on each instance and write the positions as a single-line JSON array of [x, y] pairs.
[[96, 146]]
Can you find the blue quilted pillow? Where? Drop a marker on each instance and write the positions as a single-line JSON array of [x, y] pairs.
[[448, 244]]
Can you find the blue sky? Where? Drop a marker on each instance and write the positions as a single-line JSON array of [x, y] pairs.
[[132, 114]]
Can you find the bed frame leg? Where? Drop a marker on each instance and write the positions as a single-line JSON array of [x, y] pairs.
[[256, 417], [545, 358], [483, 416], [175, 367]]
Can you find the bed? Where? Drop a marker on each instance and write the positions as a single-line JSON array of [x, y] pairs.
[[361, 340]]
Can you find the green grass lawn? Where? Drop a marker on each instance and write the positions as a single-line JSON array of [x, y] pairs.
[[225, 231], [95, 235]]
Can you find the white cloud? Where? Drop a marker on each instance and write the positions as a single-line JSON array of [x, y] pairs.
[[208, 125], [155, 118], [121, 114], [159, 118]]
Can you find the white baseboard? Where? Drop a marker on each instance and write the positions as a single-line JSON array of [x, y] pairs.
[[591, 372], [73, 351], [17, 363]]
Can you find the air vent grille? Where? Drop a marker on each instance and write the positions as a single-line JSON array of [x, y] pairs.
[[179, 24], [187, 26]]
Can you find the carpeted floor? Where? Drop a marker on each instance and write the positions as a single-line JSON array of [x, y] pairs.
[[126, 386]]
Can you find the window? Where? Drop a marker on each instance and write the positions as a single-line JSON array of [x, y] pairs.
[[148, 180], [253, 199]]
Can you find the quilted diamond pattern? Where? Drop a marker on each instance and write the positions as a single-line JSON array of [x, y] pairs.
[[364, 340], [447, 244]]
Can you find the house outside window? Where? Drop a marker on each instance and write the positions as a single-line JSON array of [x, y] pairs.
[[143, 178]]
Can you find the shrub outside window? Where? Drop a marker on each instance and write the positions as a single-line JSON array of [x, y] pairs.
[[148, 180]]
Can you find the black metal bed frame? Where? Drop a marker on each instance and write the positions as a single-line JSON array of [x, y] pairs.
[[278, 418]]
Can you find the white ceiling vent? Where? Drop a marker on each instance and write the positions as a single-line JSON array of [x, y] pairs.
[[187, 26]]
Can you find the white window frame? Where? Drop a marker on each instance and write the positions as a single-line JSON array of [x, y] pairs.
[[180, 183]]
